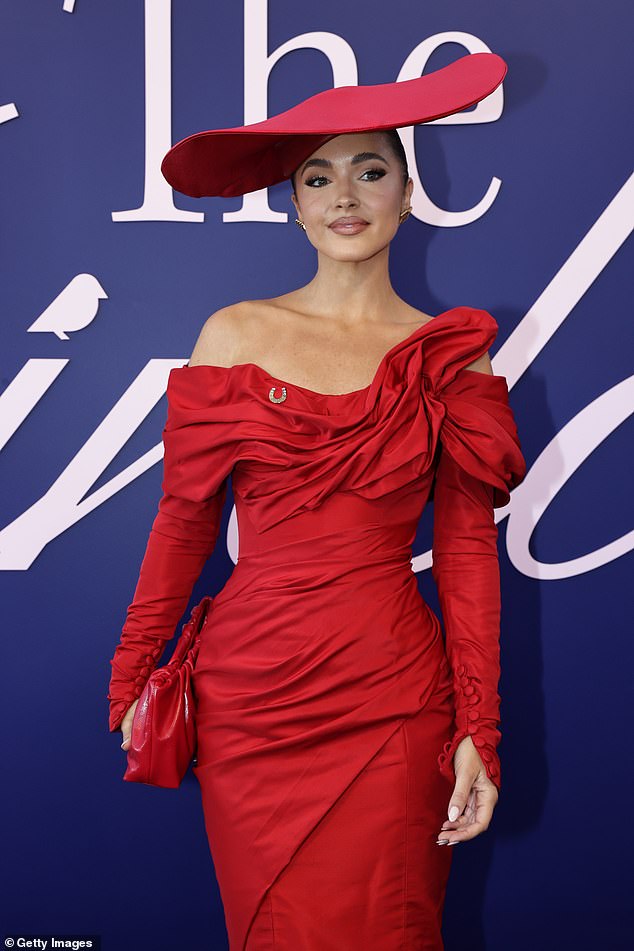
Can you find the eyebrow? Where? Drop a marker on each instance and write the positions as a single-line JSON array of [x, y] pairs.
[[355, 160]]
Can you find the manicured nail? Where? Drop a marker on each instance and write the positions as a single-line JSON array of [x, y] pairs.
[[453, 813], [442, 841], [454, 842]]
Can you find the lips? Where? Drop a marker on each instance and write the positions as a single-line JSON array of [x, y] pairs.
[[348, 225]]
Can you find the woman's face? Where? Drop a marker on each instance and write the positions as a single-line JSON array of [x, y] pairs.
[[354, 175]]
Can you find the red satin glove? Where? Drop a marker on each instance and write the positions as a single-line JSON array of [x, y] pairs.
[[466, 572], [182, 538]]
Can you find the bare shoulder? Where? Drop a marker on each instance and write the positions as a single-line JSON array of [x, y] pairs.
[[482, 364], [221, 338]]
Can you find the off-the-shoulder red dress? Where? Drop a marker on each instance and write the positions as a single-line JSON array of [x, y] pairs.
[[329, 705]]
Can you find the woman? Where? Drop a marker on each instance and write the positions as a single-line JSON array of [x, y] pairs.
[[343, 744]]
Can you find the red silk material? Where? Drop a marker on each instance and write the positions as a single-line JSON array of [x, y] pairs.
[[320, 645]]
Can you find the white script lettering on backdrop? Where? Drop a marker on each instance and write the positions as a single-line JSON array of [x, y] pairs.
[[158, 199]]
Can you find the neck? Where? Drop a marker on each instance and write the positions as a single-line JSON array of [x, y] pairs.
[[356, 291]]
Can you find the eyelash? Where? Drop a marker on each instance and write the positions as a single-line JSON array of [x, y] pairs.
[[315, 178]]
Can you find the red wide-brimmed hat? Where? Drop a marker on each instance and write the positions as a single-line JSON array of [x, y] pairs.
[[232, 162]]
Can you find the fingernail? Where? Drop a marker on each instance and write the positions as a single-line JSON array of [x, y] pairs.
[[455, 842], [442, 841], [453, 813]]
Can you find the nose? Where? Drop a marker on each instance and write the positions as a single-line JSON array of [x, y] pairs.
[[347, 201]]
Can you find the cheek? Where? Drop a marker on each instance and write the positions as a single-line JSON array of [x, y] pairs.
[[313, 203], [385, 201]]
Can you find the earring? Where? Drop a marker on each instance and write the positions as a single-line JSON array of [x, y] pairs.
[[405, 214], [301, 224]]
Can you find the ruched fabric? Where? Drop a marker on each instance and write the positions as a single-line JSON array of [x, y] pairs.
[[320, 647]]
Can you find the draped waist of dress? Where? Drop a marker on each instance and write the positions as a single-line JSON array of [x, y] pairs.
[[320, 629]]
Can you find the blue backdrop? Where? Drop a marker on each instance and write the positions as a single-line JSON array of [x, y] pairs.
[[523, 210]]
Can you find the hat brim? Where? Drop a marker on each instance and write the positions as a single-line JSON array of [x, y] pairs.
[[232, 162]]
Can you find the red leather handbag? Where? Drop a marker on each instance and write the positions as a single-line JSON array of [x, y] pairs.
[[163, 734]]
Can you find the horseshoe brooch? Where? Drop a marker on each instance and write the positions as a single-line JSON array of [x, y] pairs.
[[277, 399]]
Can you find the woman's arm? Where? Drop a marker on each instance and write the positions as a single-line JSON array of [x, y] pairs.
[[182, 537], [181, 540], [465, 568], [466, 572]]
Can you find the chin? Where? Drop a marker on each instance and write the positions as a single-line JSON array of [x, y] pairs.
[[357, 246]]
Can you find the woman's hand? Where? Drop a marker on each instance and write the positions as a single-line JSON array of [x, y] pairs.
[[474, 797], [126, 726]]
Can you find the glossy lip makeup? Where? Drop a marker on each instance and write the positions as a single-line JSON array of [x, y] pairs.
[[348, 225]]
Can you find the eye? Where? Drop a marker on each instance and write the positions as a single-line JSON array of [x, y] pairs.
[[315, 178], [380, 172], [376, 173]]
